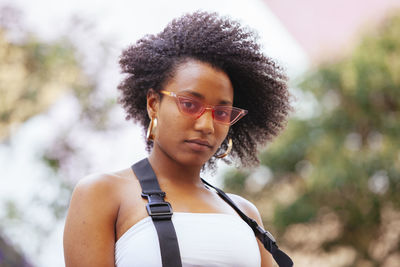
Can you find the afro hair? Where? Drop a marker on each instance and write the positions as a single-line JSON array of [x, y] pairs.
[[259, 84]]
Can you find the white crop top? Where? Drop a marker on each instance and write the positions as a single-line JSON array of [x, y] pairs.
[[205, 239]]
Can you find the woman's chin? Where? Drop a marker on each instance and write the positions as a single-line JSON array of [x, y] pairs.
[[187, 155], [193, 159]]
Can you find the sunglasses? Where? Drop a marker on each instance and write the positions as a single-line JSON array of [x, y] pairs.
[[222, 114]]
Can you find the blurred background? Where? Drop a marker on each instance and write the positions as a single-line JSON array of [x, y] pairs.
[[327, 187]]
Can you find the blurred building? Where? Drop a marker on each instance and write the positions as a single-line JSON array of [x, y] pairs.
[[326, 29]]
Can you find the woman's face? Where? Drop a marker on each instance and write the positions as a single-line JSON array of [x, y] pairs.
[[184, 138]]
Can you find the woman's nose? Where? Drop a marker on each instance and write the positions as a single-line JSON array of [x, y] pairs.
[[205, 122]]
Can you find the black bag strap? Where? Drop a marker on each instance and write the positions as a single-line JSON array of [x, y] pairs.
[[269, 242], [160, 212]]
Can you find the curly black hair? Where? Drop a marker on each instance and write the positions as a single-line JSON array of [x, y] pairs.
[[259, 84]]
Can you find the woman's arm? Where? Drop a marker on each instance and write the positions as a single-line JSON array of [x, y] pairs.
[[89, 233], [250, 210]]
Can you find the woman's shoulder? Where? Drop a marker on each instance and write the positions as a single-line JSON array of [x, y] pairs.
[[90, 222], [102, 187], [103, 181], [246, 206]]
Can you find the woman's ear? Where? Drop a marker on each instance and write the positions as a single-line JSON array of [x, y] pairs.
[[153, 103]]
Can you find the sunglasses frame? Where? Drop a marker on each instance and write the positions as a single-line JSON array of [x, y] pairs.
[[241, 114]]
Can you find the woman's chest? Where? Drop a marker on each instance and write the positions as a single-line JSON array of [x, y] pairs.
[[205, 239], [133, 205]]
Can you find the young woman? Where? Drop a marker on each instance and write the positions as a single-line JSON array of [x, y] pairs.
[[191, 87]]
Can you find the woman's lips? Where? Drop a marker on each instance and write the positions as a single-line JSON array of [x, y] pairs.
[[199, 145]]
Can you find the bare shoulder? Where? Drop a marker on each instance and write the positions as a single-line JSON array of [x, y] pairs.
[[99, 183], [103, 186], [89, 233], [250, 210], [246, 206], [98, 196]]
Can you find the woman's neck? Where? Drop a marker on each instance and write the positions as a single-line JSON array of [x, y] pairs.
[[170, 171]]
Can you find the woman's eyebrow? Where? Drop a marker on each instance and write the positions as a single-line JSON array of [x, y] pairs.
[[198, 95]]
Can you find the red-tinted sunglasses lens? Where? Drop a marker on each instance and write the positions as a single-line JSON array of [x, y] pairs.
[[228, 115], [190, 106], [221, 114]]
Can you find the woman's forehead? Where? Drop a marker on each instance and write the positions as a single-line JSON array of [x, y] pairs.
[[201, 80]]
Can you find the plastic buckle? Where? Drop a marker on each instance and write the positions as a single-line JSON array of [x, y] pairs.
[[263, 232], [152, 193], [270, 236], [159, 214]]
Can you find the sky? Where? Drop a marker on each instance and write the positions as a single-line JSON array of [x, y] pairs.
[[122, 23]]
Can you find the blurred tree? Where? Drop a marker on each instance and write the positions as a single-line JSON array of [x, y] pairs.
[[33, 75], [336, 176]]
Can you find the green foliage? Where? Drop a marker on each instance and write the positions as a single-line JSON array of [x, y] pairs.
[[303, 210], [346, 160], [236, 180], [33, 75]]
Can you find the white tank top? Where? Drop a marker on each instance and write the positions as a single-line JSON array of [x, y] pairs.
[[205, 239]]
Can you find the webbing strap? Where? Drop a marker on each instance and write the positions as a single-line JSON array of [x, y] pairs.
[[281, 258], [160, 212]]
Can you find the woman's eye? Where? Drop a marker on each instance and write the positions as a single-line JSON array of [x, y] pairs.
[[221, 113], [187, 104]]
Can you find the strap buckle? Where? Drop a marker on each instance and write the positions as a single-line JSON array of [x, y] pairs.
[[159, 210], [147, 194], [267, 233]]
